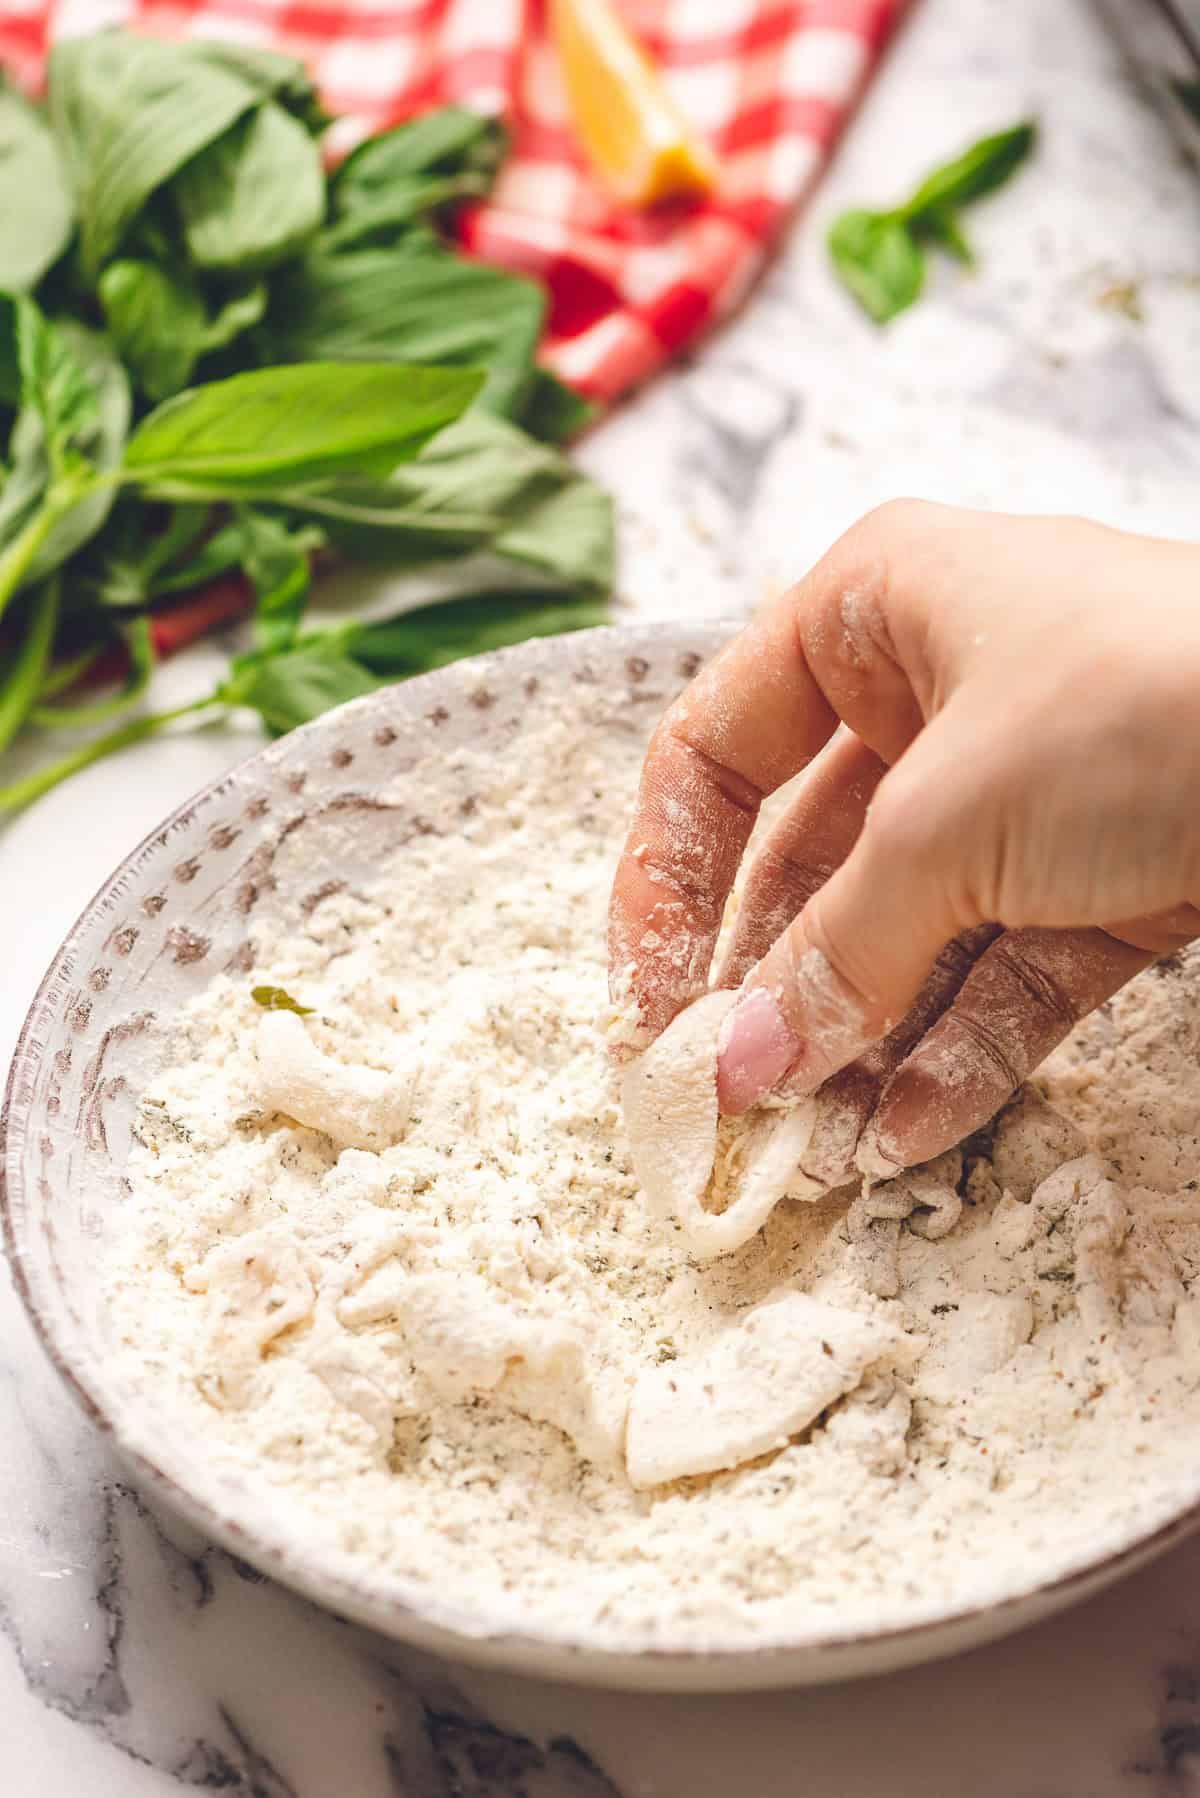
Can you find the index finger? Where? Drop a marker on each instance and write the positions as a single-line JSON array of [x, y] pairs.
[[749, 721]]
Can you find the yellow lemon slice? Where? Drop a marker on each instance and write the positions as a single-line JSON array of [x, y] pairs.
[[627, 122]]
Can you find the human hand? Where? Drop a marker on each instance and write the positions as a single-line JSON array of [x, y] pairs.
[[1006, 830]]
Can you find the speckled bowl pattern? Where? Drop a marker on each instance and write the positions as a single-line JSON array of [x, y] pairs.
[[323, 808]]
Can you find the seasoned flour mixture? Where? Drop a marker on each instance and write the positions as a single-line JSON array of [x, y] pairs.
[[388, 1269]]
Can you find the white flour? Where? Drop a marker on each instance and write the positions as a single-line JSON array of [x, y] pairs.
[[425, 1355]]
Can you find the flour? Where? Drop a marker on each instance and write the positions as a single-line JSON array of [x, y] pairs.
[[388, 1269]]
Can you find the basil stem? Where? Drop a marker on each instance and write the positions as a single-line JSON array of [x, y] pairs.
[[65, 674], [20, 793], [60, 498], [23, 679], [141, 656]]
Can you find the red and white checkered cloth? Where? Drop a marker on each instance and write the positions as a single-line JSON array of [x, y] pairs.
[[768, 82]]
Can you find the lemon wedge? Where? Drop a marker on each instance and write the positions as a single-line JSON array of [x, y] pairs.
[[631, 129]]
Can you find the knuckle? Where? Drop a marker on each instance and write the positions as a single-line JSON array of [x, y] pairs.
[[899, 521], [1041, 994], [986, 1049]]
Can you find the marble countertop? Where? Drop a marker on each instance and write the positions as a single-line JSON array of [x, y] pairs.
[[137, 1661]]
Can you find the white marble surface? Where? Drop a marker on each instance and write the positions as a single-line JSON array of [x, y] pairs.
[[138, 1663]]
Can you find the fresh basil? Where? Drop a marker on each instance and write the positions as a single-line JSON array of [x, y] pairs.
[[140, 650], [277, 561], [878, 255], [986, 166], [431, 636], [553, 411], [134, 559], [159, 321], [381, 393], [254, 197], [879, 260], [129, 112], [403, 176], [37, 216], [278, 427], [290, 689], [272, 74], [480, 484], [74, 415], [21, 677], [411, 304]]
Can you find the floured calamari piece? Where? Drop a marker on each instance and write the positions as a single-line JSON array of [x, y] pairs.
[[357, 1107], [758, 1384], [981, 1333], [1126, 1284], [873, 1423], [928, 1195], [1051, 1212], [257, 1286], [361, 1376], [670, 1101], [1030, 1141], [463, 1340]]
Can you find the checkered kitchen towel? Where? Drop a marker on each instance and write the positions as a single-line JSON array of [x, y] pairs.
[[768, 82]]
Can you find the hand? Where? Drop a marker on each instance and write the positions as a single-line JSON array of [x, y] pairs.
[[1004, 831]]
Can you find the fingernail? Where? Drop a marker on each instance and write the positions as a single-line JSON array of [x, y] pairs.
[[755, 1049], [875, 1156]]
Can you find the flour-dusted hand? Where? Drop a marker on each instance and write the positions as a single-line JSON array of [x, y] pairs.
[[1004, 831]]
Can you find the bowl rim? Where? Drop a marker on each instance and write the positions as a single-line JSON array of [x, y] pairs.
[[817, 1658]]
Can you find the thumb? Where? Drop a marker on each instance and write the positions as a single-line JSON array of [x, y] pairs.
[[849, 967]]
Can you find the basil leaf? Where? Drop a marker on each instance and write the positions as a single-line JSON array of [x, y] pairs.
[[36, 213], [54, 384], [878, 254], [133, 559], [482, 483], [393, 215], [129, 111], [447, 141], [236, 314], [979, 170], [264, 431], [429, 637], [553, 411], [287, 690], [277, 562], [410, 173], [103, 443], [941, 226], [410, 305], [157, 321], [879, 260], [254, 197], [273, 75], [217, 555], [277, 998], [74, 411]]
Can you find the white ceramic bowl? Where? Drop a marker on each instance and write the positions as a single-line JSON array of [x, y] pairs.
[[175, 913]]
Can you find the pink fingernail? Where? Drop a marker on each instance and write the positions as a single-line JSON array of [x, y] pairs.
[[755, 1049], [873, 1158]]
